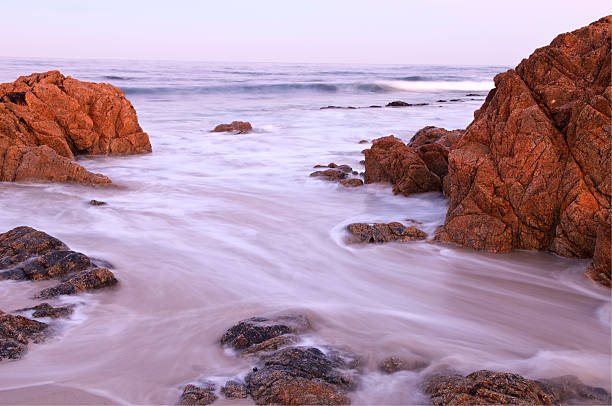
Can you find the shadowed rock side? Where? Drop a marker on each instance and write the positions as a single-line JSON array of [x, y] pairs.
[[532, 171], [420, 166], [502, 388], [46, 119]]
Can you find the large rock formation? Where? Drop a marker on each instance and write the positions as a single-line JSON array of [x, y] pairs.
[[417, 167], [532, 171], [46, 119]]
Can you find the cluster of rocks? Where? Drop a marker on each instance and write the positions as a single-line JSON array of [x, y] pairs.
[[396, 103], [237, 127], [532, 171], [284, 373], [29, 254], [343, 174], [46, 119]]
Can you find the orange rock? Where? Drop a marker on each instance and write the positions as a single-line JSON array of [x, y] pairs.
[[240, 127], [46, 119], [532, 171]]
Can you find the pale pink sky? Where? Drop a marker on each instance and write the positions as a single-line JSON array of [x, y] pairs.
[[430, 32]]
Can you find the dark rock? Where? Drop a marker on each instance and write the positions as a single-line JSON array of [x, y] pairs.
[[485, 388], [299, 375], [97, 203], [330, 175], [391, 365], [259, 329], [455, 100], [22, 243], [353, 182], [375, 106], [569, 389], [383, 232], [398, 103], [235, 390], [51, 265], [472, 95], [16, 332], [46, 310], [364, 141], [240, 127], [194, 395], [442, 101], [85, 280]]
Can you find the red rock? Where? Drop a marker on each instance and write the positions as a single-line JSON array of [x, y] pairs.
[[417, 167], [353, 182], [46, 119], [532, 171], [241, 127], [384, 232]]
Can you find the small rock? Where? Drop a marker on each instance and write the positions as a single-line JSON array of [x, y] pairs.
[[330, 174], [391, 365], [241, 127], [364, 141], [442, 101], [569, 389], [398, 103], [353, 182], [375, 107], [16, 332], [455, 100], [259, 329], [46, 310], [194, 395], [235, 390], [85, 280], [97, 203], [385, 232], [472, 94]]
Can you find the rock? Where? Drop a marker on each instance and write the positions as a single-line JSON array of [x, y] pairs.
[[417, 167], [235, 390], [46, 310], [442, 101], [97, 203], [16, 332], [85, 280], [333, 175], [364, 142], [259, 329], [398, 103], [194, 395], [455, 100], [472, 95], [271, 344], [51, 265], [240, 127], [484, 388], [22, 243], [46, 119], [532, 171], [299, 375], [382, 232], [353, 182], [569, 389], [391, 365]]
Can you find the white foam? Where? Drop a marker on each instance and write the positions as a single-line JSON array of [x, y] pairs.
[[434, 86]]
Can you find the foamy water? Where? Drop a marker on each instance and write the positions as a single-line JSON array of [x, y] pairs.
[[214, 228]]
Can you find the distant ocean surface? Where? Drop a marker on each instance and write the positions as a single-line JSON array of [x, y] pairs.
[[212, 228]]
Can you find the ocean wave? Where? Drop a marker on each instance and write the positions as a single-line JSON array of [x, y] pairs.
[[114, 77], [266, 88], [436, 85]]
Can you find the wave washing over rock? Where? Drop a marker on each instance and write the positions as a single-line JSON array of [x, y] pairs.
[[46, 119]]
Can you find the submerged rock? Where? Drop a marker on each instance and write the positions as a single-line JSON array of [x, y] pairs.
[[79, 282], [16, 332], [46, 119], [384, 232], [338, 173], [97, 203], [330, 175], [391, 365], [353, 182], [400, 103], [46, 310], [569, 389], [259, 329], [240, 127], [532, 171], [194, 395]]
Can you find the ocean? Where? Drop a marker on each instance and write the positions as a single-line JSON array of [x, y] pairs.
[[212, 228]]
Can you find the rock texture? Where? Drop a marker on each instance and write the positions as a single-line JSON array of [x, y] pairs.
[[16, 332], [239, 127], [256, 330], [46, 310], [26, 253], [46, 119], [195, 395], [420, 166], [384, 232], [502, 388], [532, 171], [343, 174]]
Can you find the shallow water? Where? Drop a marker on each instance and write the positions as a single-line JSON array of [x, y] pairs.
[[214, 228]]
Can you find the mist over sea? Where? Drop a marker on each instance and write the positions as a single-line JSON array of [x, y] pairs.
[[212, 228]]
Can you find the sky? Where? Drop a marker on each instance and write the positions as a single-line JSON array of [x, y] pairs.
[[449, 32]]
